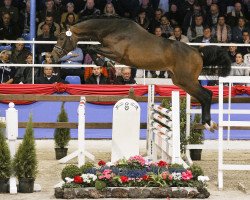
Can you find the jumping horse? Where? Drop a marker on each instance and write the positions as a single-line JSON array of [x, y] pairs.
[[125, 42]]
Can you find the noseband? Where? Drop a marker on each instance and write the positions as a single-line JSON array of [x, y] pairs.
[[61, 50]]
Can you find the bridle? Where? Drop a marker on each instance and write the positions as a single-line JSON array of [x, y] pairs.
[[60, 50]]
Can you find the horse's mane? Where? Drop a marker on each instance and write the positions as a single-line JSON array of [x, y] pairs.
[[101, 17]]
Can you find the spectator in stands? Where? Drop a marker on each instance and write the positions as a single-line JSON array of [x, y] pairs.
[[48, 77], [237, 30], [196, 30], [142, 19], [166, 27], [189, 18], [211, 18], [188, 6], [245, 40], [6, 73], [206, 37], [222, 31], [128, 9], [70, 21], [147, 6], [45, 36], [174, 15], [234, 16], [53, 27], [206, 6], [26, 77], [239, 62], [97, 77], [156, 22], [19, 53], [109, 10], [73, 57], [70, 10], [8, 29], [125, 77], [49, 10], [59, 9], [232, 51], [8, 8], [25, 18], [178, 35], [89, 9]]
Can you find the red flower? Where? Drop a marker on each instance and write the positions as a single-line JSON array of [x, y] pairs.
[[162, 163], [170, 177], [101, 163], [145, 177], [124, 179], [187, 175], [78, 179]]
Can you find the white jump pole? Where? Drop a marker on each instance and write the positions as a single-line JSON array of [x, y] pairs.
[[12, 133], [80, 153]]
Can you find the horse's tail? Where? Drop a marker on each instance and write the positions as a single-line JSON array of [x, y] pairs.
[[216, 61]]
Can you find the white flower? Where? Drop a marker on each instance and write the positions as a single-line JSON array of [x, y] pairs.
[[109, 164], [88, 177], [69, 180], [176, 176], [203, 178]]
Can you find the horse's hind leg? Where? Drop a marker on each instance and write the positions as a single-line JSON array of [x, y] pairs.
[[204, 96]]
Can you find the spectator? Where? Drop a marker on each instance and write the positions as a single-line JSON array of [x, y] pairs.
[[26, 77], [211, 18], [156, 22], [70, 21], [59, 9], [239, 62], [147, 6], [25, 18], [237, 30], [70, 10], [49, 78], [206, 37], [232, 51], [178, 35], [189, 18], [128, 9], [97, 77], [42, 48], [73, 57], [142, 20], [8, 8], [188, 6], [19, 53], [109, 9], [196, 30], [53, 27], [8, 29], [233, 17], [174, 15], [125, 77], [6, 73], [166, 27], [222, 31], [245, 40], [49, 11], [89, 9]]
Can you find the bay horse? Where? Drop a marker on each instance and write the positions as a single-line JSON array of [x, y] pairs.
[[124, 41]]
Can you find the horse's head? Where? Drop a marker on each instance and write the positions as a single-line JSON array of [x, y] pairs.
[[66, 42]]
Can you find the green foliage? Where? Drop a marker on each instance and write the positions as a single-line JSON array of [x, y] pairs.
[[196, 135], [5, 158], [86, 166], [62, 135], [100, 185], [166, 104], [196, 171], [70, 171], [25, 161]]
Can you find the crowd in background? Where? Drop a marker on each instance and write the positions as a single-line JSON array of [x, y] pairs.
[[199, 21]]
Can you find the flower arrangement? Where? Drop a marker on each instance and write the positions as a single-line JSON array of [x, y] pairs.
[[133, 172]]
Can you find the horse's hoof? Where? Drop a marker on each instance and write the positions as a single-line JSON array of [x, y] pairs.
[[212, 127]]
